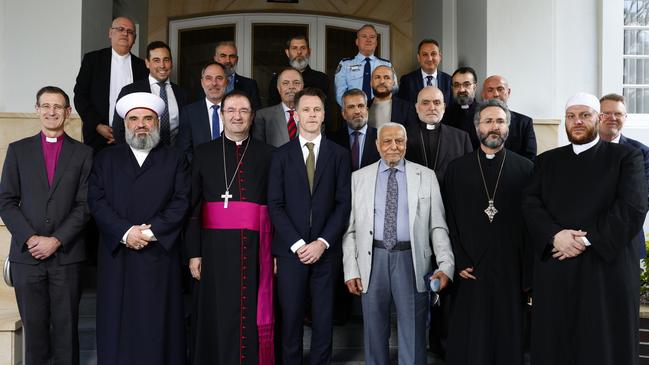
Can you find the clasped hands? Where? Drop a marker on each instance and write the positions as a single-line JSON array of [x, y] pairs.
[[568, 243], [311, 252], [41, 247], [137, 239]]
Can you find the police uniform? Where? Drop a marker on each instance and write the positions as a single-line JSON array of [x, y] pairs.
[[349, 74]]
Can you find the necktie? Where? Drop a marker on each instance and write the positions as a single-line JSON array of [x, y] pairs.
[[367, 75], [216, 129], [292, 128], [165, 132], [429, 80], [355, 151], [230, 86], [390, 219], [310, 165]]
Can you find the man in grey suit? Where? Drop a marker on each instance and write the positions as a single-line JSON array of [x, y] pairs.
[[276, 124], [43, 204], [396, 224]]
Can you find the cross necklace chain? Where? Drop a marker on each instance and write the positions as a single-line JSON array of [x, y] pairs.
[[227, 194], [491, 210]]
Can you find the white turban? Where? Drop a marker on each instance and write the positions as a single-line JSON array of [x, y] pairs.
[[583, 99], [132, 101]]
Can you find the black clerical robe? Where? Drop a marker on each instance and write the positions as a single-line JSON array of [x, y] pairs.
[[139, 300], [227, 330], [585, 309], [486, 314]]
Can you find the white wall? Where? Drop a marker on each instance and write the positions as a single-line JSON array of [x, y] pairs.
[[40, 44]]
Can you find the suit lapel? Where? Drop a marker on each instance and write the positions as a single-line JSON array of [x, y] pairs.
[[419, 80], [297, 160], [67, 151], [37, 155], [281, 125], [370, 138], [203, 120], [324, 157], [413, 175]]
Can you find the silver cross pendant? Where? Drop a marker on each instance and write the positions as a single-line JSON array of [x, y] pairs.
[[491, 211]]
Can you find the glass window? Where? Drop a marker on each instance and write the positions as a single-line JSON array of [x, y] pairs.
[[636, 56]]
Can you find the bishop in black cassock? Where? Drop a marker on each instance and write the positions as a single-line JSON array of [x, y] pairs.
[[489, 246], [585, 203], [229, 234]]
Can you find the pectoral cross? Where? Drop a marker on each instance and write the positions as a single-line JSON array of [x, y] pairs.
[[226, 196], [491, 211]]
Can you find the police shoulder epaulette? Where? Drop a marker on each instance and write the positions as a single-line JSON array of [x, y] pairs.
[[347, 59], [383, 59]]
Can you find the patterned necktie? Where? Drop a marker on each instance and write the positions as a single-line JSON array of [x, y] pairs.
[[356, 151], [292, 128], [367, 75], [165, 131], [310, 165], [390, 219], [429, 80], [216, 128]]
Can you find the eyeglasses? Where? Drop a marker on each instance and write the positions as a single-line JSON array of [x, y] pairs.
[[130, 32], [243, 112], [491, 122], [617, 115], [56, 107], [465, 84]]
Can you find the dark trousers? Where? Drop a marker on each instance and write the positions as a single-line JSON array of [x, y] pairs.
[[48, 298], [295, 281]]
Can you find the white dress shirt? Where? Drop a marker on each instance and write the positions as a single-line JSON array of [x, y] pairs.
[[121, 74], [172, 103], [433, 81], [209, 115]]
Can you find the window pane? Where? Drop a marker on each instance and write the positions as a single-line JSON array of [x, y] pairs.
[[636, 71], [636, 100], [635, 12], [268, 57], [636, 41], [196, 48]]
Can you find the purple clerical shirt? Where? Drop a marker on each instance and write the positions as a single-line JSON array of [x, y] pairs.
[[51, 152]]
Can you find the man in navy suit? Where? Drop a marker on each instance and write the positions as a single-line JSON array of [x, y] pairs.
[[429, 57], [522, 139], [102, 75], [225, 53], [43, 204], [385, 107], [612, 119], [357, 136], [309, 202], [200, 121], [158, 61]]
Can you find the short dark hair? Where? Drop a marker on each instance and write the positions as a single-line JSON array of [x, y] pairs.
[[427, 41], [466, 70], [613, 97], [354, 92], [211, 63], [53, 90], [155, 45], [234, 93], [309, 91], [299, 37], [488, 104]]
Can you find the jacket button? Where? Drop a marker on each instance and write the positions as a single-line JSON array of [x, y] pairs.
[[371, 232], [369, 253], [47, 220]]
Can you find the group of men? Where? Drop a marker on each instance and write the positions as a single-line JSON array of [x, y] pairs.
[[446, 195]]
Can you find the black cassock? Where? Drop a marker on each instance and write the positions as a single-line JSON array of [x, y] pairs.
[[585, 308], [139, 299], [226, 304], [486, 314]]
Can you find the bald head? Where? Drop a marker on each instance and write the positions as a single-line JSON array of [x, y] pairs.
[[122, 35], [496, 87], [430, 105]]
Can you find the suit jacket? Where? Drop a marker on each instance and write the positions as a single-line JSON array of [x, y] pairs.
[[522, 139], [270, 125], [28, 205], [143, 86], [639, 239], [249, 86], [92, 92], [311, 77], [297, 213], [454, 143], [462, 119], [426, 225], [369, 155], [413, 82], [194, 127], [403, 112]]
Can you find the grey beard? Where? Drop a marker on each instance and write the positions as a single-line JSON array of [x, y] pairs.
[[493, 143], [299, 63], [143, 143], [228, 71], [464, 100]]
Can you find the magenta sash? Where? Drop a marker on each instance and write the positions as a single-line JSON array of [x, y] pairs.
[[254, 217]]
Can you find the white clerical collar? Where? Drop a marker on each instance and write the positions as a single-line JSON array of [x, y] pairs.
[[119, 56], [238, 143], [140, 155], [51, 140], [616, 139], [153, 81], [424, 74], [579, 148], [432, 126], [464, 106]]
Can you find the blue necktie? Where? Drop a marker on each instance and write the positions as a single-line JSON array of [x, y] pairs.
[[429, 80], [367, 75], [391, 207], [216, 132], [165, 131]]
